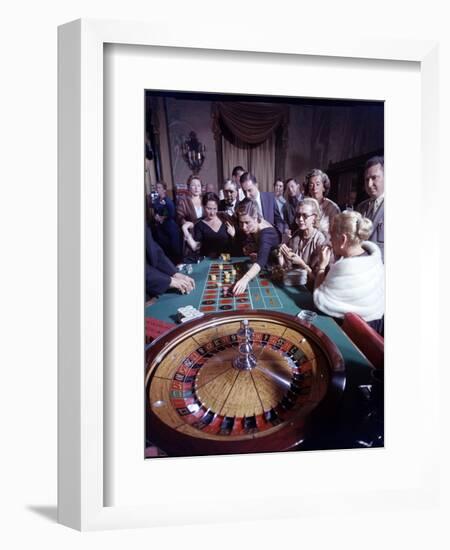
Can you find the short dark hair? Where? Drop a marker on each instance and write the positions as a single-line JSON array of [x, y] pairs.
[[291, 179], [207, 197], [373, 161], [163, 183], [237, 169], [246, 176]]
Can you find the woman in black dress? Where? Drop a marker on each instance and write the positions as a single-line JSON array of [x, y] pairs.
[[213, 235], [261, 239]]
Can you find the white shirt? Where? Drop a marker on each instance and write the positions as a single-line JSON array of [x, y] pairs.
[[229, 209], [374, 204], [378, 202], [258, 202]]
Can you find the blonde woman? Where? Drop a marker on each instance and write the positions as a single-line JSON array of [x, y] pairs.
[[355, 281]]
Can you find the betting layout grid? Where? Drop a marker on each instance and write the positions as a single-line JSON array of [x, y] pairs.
[[216, 296]]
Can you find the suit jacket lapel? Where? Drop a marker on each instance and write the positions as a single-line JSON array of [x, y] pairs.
[[379, 216]]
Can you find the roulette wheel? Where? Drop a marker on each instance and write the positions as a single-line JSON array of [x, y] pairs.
[[239, 382]]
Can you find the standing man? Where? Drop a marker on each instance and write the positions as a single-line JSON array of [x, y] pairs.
[[267, 207], [278, 191], [236, 177], [373, 207], [230, 201]]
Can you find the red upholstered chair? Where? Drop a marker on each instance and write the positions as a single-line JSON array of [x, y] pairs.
[[370, 343]]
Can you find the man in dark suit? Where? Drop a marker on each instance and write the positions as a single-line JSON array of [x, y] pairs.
[[230, 201], [160, 272], [373, 207], [267, 206]]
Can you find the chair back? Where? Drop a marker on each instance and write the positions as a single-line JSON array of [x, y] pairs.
[[369, 342]]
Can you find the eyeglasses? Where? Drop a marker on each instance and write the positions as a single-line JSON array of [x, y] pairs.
[[228, 190], [304, 216]]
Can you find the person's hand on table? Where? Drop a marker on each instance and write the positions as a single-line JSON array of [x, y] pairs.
[[184, 286], [188, 280], [231, 230], [240, 286]]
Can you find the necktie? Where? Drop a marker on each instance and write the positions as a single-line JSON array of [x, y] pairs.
[[371, 210]]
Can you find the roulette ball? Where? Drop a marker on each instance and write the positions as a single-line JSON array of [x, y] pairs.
[[239, 382]]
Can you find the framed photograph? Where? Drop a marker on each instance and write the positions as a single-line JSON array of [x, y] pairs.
[[132, 107], [224, 246]]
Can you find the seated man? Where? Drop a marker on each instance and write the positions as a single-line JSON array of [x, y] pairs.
[[160, 272], [235, 177]]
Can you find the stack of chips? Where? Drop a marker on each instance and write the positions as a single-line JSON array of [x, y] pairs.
[[188, 313]]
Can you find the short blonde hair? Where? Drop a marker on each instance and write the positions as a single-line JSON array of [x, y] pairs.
[[352, 224], [314, 204]]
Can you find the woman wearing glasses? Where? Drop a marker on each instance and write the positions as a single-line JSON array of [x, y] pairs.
[[303, 249]]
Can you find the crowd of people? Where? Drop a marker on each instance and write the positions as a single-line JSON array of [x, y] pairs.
[[296, 228]]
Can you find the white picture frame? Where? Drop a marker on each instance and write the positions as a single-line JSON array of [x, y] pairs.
[[81, 462]]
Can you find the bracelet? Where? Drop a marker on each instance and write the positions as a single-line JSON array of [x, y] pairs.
[[321, 269]]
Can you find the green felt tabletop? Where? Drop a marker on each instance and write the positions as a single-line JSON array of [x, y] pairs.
[[290, 300]]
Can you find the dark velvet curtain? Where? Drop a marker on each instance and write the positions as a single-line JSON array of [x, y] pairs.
[[248, 125], [251, 123]]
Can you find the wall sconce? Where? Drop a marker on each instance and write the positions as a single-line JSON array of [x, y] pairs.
[[193, 153]]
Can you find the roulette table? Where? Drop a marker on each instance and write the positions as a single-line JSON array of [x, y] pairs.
[[239, 382], [305, 392]]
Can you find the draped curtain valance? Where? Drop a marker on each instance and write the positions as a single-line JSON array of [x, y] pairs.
[[251, 123]]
